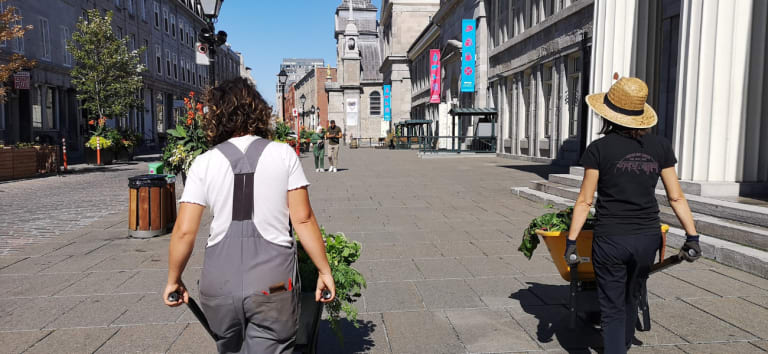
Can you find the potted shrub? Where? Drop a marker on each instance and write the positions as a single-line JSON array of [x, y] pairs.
[[186, 141], [341, 253], [107, 152], [128, 142]]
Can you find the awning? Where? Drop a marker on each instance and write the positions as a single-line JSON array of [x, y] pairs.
[[414, 122], [473, 111]]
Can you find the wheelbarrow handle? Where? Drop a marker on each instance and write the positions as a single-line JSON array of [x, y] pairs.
[[671, 261], [195, 308]]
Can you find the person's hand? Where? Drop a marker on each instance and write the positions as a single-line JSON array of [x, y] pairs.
[[571, 256], [691, 250], [178, 288], [325, 282]]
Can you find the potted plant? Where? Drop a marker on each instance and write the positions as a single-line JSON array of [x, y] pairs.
[[341, 253], [186, 141], [105, 145], [128, 142]]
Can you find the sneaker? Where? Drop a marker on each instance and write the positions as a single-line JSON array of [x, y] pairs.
[[334, 169]]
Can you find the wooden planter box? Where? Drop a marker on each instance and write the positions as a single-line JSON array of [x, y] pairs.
[[107, 156], [47, 159], [18, 163]]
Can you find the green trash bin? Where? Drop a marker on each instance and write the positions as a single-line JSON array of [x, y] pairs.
[[156, 168]]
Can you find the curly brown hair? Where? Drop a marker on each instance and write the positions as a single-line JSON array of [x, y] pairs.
[[235, 108]]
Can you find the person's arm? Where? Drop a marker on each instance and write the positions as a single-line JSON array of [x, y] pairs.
[[180, 248], [677, 199], [305, 223], [583, 202]]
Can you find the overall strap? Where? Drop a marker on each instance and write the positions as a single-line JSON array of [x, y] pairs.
[[235, 157], [253, 152]]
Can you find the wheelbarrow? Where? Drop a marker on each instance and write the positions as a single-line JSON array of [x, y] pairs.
[[583, 286]]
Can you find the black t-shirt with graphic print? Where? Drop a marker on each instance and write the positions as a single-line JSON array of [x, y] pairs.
[[629, 171]]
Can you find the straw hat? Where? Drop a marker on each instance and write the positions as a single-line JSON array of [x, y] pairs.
[[624, 104]]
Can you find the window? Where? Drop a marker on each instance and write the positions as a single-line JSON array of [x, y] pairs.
[[117, 4], [146, 52], [165, 20], [158, 60], [51, 107], [132, 42], [375, 100], [175, 68], [129, 5], [173, 26], [194, 74], [181, 30], [45, 36], [189, 72], [119, 32], [546, 87], [168, 62], [65, 52], [573, 92], [37, 103], [190, 31], [157, 15], [19, 47], [183, 76], [143, 9]]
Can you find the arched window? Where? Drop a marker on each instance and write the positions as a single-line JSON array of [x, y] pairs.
[[375, 100]]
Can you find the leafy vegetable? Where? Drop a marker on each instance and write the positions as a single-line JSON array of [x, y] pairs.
[[341, 253], [559, 221]]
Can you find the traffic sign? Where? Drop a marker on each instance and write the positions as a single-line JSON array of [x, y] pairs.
[[295, 112]]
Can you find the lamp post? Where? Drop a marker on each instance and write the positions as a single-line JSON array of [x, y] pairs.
[[312, 117], [302, 99], [282, 78], [207, 35]]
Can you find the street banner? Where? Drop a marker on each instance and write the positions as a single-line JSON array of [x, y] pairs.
[[351, 109], [387, 103], [434, 76], [468, 56], [201, 56]]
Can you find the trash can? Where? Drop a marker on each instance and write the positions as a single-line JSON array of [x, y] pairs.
[[156, 168], [148, 211]]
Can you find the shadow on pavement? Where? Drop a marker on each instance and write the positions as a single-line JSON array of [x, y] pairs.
[[542, 171], [553, 320], [356, 339]]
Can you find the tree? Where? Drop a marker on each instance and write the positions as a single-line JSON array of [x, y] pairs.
[[107, 75], [10, 30]]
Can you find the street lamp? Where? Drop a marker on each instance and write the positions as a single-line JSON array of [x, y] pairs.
[[209, 37], [312, 116], [302, 99], [282, 78]]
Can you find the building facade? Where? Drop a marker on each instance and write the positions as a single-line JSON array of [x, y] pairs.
[[355, 100], [296, 68], [704, 62], [312, 86], [401, 23], [49, 111], [537, 52]]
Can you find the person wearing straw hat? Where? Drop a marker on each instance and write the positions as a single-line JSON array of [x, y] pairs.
[[624, 167]]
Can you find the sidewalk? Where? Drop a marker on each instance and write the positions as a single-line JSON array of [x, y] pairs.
[[439, 253]]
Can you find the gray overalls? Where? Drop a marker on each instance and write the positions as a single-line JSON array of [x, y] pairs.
[[239, 270]]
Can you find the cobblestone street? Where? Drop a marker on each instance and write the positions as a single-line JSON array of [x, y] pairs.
[[39, 209], [440, 255]]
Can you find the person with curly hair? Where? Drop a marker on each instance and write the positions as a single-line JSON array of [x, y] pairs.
[[256, 189]]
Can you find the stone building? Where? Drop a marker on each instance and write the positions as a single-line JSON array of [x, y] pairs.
[[538, 50], [49, 111], [296, 68], [401, 23], [312, 86], [444, 32], [704, 62], [354, 101]]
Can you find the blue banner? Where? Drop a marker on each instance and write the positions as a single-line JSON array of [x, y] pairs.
[[387, 103], [468, 56]]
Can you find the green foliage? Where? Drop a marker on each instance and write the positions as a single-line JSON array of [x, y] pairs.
[[341, 253], [104, 142], [187, 140], [107, 75], [282, 131], [559, 221]]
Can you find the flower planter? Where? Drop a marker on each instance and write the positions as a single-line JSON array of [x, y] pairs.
[[309, 322], [18, 163], [124, 154], [107, 156]]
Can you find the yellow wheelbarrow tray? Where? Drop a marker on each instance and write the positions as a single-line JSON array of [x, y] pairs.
[[583, 294]]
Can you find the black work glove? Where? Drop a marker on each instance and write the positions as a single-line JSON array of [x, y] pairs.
[[571, 257], [691, 250]]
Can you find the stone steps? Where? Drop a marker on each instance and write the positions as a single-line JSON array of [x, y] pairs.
[[727, 252], [726, 229]]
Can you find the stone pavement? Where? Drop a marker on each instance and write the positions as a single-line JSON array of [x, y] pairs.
[[439, 251]]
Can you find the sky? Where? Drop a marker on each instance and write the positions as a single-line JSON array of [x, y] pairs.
[[266, 31]]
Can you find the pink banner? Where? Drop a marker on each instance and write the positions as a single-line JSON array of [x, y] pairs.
[[434, 75]]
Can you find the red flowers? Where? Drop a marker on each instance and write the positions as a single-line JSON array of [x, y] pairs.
[[189, 121], [91, 122], [191, 93]]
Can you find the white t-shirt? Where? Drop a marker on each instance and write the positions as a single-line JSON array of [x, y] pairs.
[[210, 183]]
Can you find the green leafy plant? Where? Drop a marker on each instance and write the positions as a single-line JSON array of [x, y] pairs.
[[187, 140], [341, 253], [558, 221], [103, 142], [282, 132]]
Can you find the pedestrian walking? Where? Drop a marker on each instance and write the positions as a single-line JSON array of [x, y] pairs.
[[318, 148], [624, 167], [256, 188], [333, 134]]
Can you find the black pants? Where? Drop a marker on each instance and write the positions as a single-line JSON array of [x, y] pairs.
[[621, 266]]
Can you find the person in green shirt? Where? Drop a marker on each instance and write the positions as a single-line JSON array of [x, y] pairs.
[[318, 143]]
